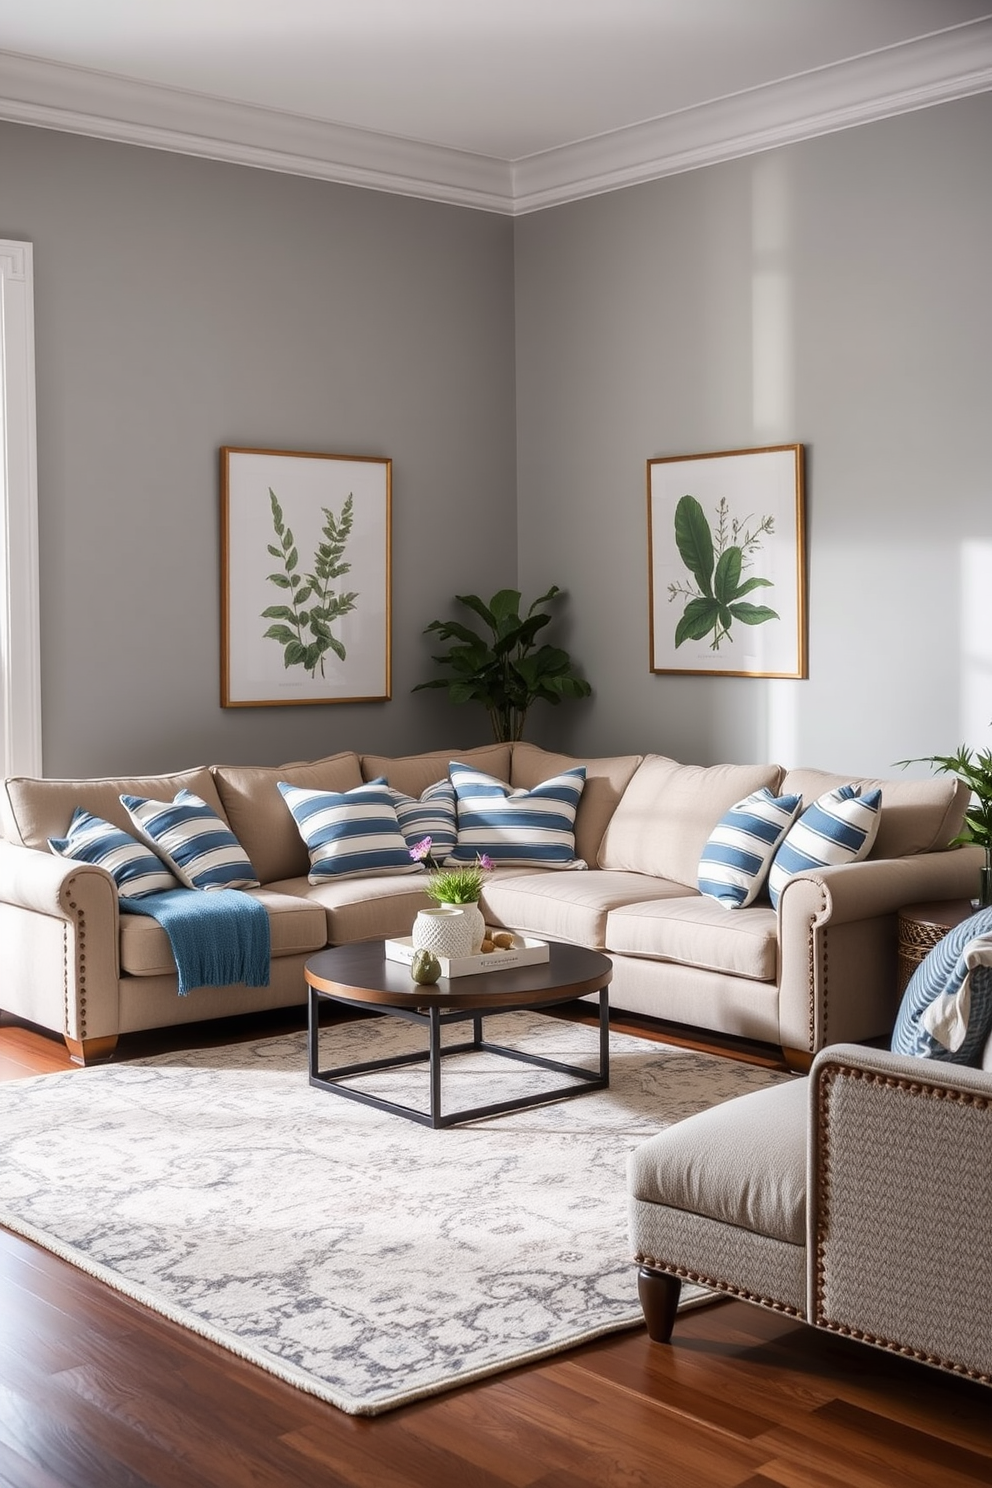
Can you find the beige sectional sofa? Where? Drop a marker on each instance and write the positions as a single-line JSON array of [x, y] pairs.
[[818, 969]]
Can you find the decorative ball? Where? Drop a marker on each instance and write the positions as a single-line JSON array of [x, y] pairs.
[[425, 968]]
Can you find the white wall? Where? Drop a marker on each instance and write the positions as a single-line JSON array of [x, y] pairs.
[[833, 293]]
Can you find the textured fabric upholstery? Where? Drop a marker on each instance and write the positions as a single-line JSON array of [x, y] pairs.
[[35, 809], [259, 816], [413, 773], [689, 800], [295, 927], [755, 1267], [918, 816], [900, 1172], [606, 780], [695, 930], [567, 906], [362, 908], [742, 1163]]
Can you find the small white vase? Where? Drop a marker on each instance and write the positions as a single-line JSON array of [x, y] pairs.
[[476, 919], [447, 931]]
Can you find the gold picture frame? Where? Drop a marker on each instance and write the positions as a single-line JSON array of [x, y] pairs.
[[305, 578], [727, 563]]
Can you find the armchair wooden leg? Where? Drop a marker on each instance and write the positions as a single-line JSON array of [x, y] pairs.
[[659, 1298], [91, 1051]]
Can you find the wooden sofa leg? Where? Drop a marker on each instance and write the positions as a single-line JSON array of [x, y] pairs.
[[659, 1298], [91, 1051], [798, 1060]]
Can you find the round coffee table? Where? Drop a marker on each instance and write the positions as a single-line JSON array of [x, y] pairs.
[[360, 976]]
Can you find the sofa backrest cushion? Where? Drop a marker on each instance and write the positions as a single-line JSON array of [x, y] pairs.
[[413, 773], [666, 814], [260, 818], [606, 780], [918, 816], [34, 810]]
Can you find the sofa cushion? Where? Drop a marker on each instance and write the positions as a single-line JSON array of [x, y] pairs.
[[516, 828], [838, 828], [136, 869], [742, 1163], [668, 811], [413, 773], [34, 810], [606, 780], [198, 846], [946, 1010], [362, 908], [350, 833], [257, 812], [694, 930], [739, 853], [918, 816], [567, 906], [296, 928]]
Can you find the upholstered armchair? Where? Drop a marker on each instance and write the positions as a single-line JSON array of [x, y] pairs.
[[858, 1199]]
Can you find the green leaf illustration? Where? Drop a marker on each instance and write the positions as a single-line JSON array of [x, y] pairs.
[[305, 634], [695, 542], [717, 567]]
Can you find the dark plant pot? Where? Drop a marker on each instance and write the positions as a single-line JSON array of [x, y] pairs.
[[985, 888]]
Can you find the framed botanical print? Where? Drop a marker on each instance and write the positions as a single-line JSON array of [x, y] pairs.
[[305, 581], [726, 552]]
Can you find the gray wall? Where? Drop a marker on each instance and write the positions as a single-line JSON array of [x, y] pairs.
[[182, 305], [834, 293]]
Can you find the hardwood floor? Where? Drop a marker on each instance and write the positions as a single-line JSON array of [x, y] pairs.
[[96, 1392]]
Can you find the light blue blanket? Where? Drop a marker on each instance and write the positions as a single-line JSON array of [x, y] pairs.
[[218, 937]]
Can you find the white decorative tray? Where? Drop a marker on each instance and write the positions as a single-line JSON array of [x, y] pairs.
[[525, 951]]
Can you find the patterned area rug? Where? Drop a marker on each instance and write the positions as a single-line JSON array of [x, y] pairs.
[[361, 1257]]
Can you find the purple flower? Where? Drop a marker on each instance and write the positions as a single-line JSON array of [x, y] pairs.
[[486, 863], [421, 850]]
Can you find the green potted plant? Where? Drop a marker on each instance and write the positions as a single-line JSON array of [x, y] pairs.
[[974, 768], [505, 670]]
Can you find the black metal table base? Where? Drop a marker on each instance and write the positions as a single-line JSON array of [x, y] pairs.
[[435, 1020]]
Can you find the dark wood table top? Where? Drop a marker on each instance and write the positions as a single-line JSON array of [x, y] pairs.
[[361, 973]]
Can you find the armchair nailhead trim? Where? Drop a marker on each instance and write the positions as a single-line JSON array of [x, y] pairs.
[[717, 1285], [828, 1075]]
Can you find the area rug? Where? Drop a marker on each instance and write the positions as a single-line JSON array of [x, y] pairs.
[[361, 1257]]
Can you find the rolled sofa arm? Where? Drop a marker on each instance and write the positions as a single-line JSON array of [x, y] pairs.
[[899, 1205], [837, 941], [59, 943]]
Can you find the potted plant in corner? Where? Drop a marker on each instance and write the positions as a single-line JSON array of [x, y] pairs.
[[974, 768], [505, 670]]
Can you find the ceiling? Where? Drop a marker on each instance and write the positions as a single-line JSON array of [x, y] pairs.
[[509, 105]]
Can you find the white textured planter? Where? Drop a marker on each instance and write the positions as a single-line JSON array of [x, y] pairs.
[[476, 920], [447, 931]]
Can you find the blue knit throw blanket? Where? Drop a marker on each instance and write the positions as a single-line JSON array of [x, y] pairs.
[[218, 937]]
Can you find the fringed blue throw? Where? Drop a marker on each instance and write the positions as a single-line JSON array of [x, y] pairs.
[[218, 938]]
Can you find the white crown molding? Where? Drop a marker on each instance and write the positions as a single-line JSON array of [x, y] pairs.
[[80, 101], [934, 69]]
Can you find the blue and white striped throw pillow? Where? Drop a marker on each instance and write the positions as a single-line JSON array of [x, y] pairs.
[[135, 869], [516, 828], [946, 1010], [433, 816], [200, 848], [838, 828], [736, 859], [349, 833]]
